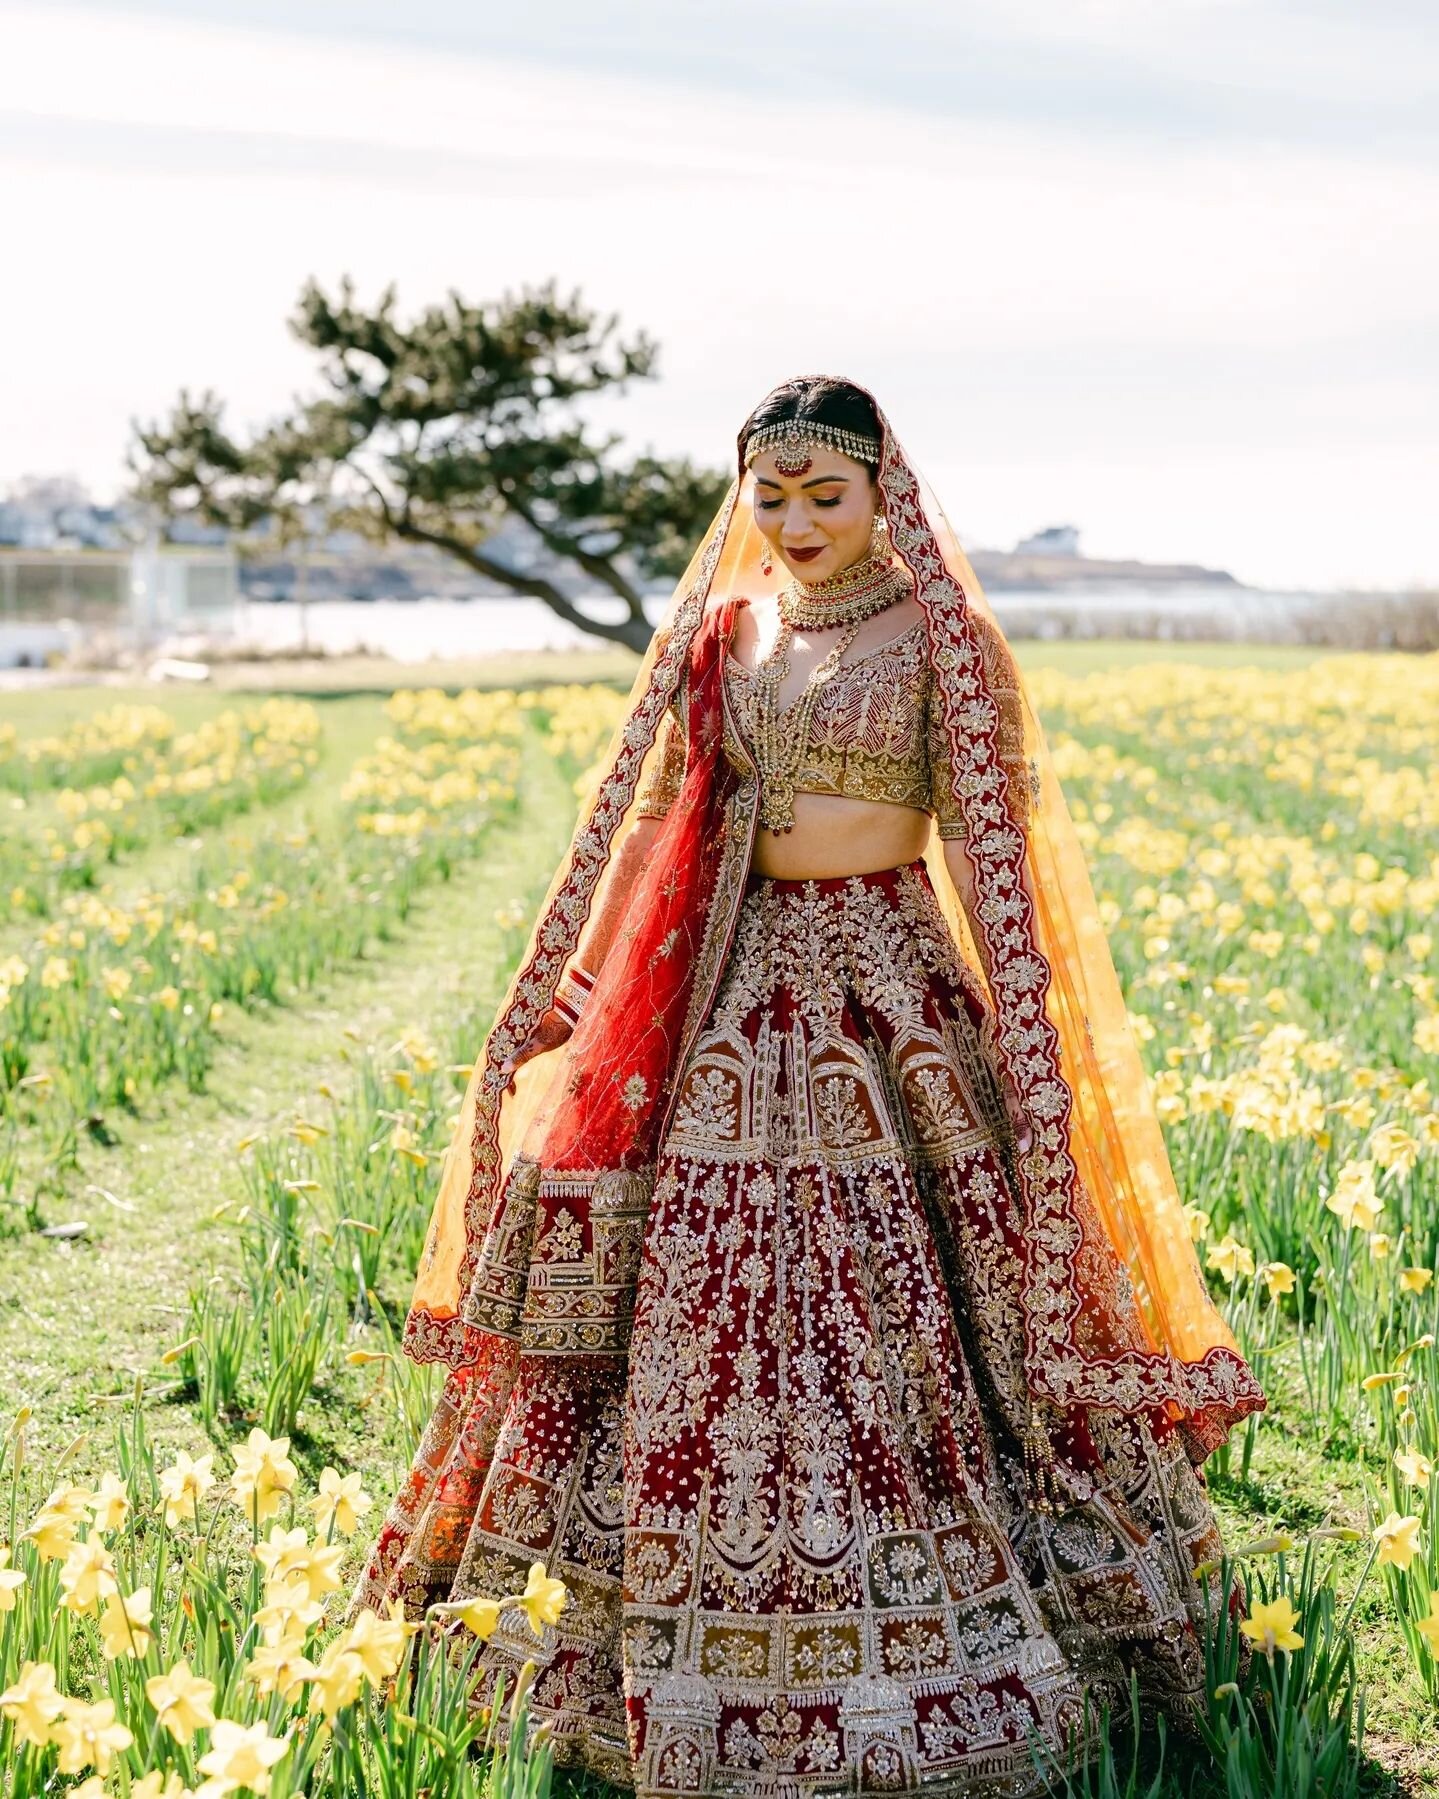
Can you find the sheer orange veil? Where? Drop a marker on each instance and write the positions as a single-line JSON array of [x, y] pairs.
[[1097, 1179]]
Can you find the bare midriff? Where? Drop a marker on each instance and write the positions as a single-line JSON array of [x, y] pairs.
[[834, 835]]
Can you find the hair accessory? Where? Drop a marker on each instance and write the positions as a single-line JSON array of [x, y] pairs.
[[793, 438]]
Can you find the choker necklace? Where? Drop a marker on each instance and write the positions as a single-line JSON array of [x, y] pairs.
[[848, 598]]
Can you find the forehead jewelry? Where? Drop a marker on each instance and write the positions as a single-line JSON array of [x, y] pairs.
[[793, 439]]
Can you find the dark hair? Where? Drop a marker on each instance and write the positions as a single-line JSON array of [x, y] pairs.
[[822, 397]]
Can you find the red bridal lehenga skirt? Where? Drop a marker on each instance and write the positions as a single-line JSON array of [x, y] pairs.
[[795, 1529]]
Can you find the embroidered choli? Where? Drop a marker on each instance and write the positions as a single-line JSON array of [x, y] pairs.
[[876, 732]]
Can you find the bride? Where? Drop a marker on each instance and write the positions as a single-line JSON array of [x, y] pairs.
[[815, 1294]]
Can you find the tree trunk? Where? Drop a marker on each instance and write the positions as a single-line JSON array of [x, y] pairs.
[[634, 632]]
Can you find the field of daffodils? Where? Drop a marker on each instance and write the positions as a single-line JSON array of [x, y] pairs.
[[248, 951]]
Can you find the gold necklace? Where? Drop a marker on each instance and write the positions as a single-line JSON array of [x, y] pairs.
[[781, 737], [849, 597]]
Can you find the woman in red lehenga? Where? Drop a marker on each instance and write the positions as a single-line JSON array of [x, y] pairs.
[[817, 1300]]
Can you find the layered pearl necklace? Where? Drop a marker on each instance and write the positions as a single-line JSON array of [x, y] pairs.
[[782, 736]]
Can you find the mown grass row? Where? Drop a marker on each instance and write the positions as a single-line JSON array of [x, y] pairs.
[[81, 801], [1279, 978]]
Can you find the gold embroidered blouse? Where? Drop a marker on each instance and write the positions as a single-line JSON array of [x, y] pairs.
[[875, 733]]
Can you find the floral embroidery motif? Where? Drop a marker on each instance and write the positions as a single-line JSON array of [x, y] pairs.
[[793, 1516]]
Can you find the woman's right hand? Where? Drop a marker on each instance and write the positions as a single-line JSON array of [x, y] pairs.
[[552, 1030]]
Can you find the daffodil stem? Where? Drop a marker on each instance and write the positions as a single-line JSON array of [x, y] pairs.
[[1358, 1585]]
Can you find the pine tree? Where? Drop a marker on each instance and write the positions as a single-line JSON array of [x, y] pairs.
[[436, 432]]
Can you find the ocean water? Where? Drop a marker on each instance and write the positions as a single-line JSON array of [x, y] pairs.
[[418, 630]]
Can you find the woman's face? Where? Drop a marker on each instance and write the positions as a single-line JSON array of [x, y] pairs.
[[818, 521]]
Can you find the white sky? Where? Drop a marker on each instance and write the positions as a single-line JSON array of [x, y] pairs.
[[1099, 266]]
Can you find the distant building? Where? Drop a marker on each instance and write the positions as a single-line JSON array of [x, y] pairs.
[[1054, 540]]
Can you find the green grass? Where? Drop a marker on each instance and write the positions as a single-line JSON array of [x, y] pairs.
[[334, 677], [87, 1317], [82, 1321]]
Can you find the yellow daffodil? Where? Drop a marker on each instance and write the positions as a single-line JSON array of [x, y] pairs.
[[1272, 1627], [480, 1616], [157, 1784], [402, 1141], [125, 1625], [183, 1701], [1278, 1542], [11, 1581], [53, 1528], [112, 1504], [33, 1703], [240, 1757], [263, 1474], [279, 1667], [88, 1576], [338, 1678], [1278, 1278], [1398, 1540], [1428, 1628], [183, 1485], [340, 1503], [1391, 1146], [288, 1611], [1415, 1280], [1355, 1199], [1357, 1110], [1198, 1222], [88, 1736], [283, 1551], [1231, 1258], [290, 1559], [53, 1534], [1371, 1382], [1413, 1465], [1380, 1245], [379, 1643], [543, 1598]]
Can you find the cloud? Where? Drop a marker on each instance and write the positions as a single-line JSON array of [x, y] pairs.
[[1205, 348]]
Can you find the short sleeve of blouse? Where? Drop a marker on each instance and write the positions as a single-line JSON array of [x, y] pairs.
[[1003, 679], [948, 816]]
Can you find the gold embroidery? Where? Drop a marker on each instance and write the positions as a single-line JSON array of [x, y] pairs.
[[793, 1521], [662, 784], [876, 731]]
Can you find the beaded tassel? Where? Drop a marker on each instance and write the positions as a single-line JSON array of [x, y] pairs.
[[1041, 1474]]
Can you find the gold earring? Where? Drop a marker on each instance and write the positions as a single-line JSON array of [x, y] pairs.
[[766, 563], [879, 544]]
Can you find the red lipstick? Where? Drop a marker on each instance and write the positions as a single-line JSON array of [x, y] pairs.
[[803, 555]]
